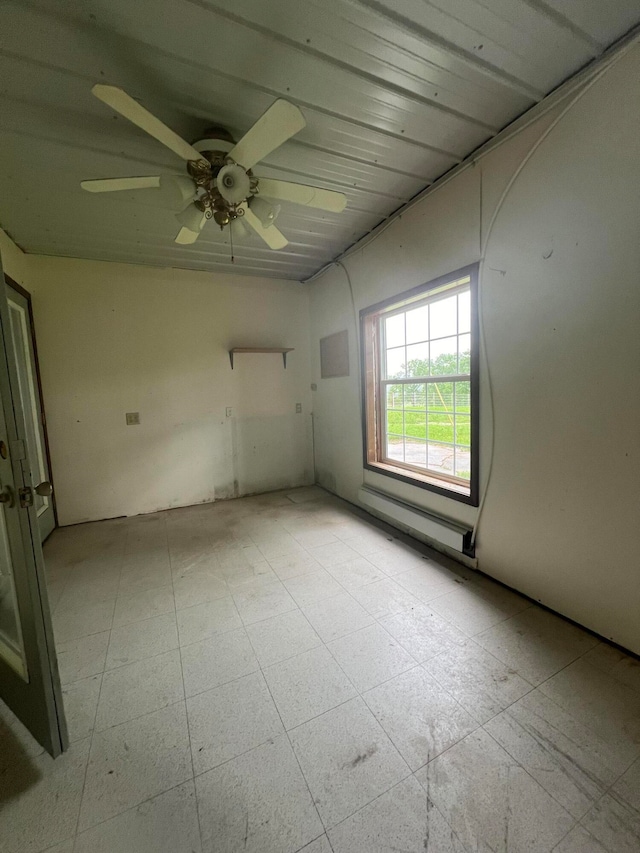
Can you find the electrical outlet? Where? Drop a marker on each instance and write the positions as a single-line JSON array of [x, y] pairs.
[[298, 408], [228, 411], [133, 418]]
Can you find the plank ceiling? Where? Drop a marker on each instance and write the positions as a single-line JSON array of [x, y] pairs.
[[395, 93]]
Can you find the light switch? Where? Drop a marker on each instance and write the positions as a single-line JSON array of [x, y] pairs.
[[133, 418], [298, 408], [229, 411]]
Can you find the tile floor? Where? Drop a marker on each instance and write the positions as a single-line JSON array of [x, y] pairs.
[[275, 674]]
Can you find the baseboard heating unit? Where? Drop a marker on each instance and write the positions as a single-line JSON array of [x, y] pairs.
[[449, 533]]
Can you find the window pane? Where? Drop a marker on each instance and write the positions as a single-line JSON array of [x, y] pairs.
[[394, 331], [415, 396], [440, 458], [415, 423], [395, 363], [418, 324], [440, 427], [464, 312], [418, 360], [415, 452], [440, 396], [444, 357], [395, 448], [463, 397], [463, 463], [464, 354], [394, 397], [443, 319], [463, 429]]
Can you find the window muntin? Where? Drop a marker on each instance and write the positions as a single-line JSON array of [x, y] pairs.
[[418, 389]]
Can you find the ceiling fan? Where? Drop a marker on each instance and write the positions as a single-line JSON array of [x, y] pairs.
[[220, 184]]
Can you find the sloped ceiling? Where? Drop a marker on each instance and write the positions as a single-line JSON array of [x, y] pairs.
[[395, 93]]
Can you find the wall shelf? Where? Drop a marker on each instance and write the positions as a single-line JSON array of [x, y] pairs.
[[282, 350]]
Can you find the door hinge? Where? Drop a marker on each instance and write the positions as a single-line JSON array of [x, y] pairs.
[[26, 497], [17, 450]]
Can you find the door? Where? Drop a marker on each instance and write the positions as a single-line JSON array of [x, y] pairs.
[[29, 682], [27, 369]]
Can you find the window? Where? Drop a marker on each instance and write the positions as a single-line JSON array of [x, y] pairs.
[[420, 386]]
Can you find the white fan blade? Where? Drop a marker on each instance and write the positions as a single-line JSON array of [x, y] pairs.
[[280, 122], [186, 236], [303, 194], [109, 185], [124, 104], [272, 237]]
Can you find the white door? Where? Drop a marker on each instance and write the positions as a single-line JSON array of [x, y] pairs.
[[25, 357], [29, 682]]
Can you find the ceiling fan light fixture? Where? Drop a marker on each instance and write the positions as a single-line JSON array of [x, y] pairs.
[[178, 191], [190, 218], [267, 213], [233, 183]]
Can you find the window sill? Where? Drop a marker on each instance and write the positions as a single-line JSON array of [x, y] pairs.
[[455, 491]]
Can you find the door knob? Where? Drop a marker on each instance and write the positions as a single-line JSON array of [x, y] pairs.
[[44, 489], [7, 497]]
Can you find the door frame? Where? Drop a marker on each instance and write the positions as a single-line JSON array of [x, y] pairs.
[[32, 329]]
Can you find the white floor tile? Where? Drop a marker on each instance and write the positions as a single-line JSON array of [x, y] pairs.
[[394, 559], [481, 683], [307, 685], [217, 660], [320, 845], [165, 824], [263, 602], [370, 656], [80, 699], [615, 820], [197, 588], [579, 841], [490, 802], [474, 608], [229, 720], [139, 688], [427, 581], [600, 703], [82, 657], [282, 637], [356, 572], [143, 605], [292, 565], [402, 819], [134, 761], [333, 554], [419, 716], [83, 620], [422, 632], [385, 598], [139, 640], [307, 589], [616, 663], [258, 803], [40, 797], [347, 759], [570, 761], [536, 643], [336, 616], [206, 620]]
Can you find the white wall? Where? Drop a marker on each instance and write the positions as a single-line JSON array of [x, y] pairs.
[[561, 308], [114, 338]]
